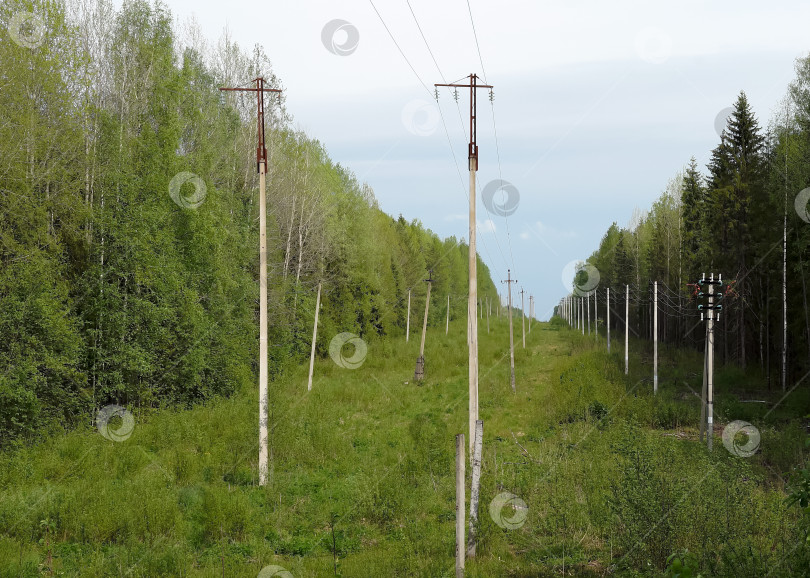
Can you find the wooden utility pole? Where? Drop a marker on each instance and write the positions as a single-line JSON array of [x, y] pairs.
[[655, 337], [509, 282], [314, 337], [460, 503], [261, 167], [472, 317], [523, 316], [408, 323], [419, 374]]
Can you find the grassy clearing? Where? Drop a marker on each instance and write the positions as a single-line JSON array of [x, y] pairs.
[[362, 479]]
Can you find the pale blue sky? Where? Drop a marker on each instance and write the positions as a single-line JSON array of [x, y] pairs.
[[597, 104]]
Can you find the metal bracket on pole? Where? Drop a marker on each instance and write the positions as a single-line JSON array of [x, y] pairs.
[[261, 168]]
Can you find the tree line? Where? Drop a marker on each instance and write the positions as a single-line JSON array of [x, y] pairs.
[[744, 217], [116, 288]]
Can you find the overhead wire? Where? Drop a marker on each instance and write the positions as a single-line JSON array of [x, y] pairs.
[[495, 131], [441, 114], [461, 122]]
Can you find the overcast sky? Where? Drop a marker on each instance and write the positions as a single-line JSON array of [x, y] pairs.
[[597, 104]]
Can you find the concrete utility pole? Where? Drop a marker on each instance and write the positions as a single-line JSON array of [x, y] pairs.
[[314, 338], [607, 302], [261, 167], [523, 316], [531, 312], [509, 282], [705, 387], [784, 267], [460, 503], [408, 324], [447, 327], [712, 315], [472, 317], [489, 311], [475, 486], [710, 370], [588, 307], [655, 337], [419, 374], [784, 289], [626, 329], [582, 315]]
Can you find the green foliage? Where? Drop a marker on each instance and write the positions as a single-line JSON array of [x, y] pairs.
[[799, 496], [729, 220], [112, 290], [682, 565], [362, 469]]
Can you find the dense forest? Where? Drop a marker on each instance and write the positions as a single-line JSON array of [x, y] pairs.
[[129, 222], [746, 219]]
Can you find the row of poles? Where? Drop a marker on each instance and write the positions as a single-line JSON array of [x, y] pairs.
[[472, 313], [475, 307], [576, 310], [467, 548], [476, 426], [484, 305]]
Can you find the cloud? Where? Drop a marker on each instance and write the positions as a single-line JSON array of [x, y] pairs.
[[539, 229], [456, 217], [486, 226]]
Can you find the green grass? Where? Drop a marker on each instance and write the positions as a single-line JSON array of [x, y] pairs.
[[362, 473]]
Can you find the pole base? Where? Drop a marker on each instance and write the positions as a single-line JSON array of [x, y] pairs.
[[419, 374]]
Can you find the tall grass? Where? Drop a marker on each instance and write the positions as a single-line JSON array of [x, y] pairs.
[[362, 480]]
